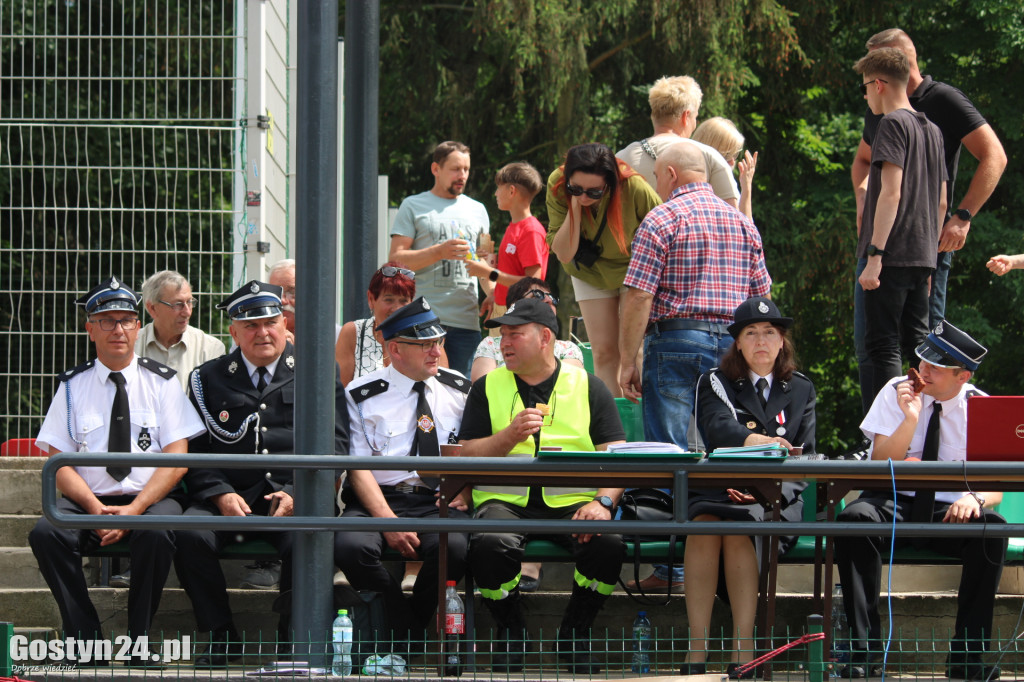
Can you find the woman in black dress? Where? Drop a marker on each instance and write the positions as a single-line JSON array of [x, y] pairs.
[[755, 397]]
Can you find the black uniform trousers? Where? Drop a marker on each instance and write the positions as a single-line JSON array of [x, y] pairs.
[[860, 571], [200, 574], [358, 554], [59, 554], [495, 558]]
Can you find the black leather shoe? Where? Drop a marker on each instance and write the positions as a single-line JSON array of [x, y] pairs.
[[860, 672], [752, 674], [972, 671], [528, 583], [224, 647], [693, 669]]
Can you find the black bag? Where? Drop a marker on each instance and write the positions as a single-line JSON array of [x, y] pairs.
[[589, 251], [648, 504]]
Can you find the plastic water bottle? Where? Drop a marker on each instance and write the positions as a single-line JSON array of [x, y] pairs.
[[840, 628], [641, 644], [454, 629], [342, 636]]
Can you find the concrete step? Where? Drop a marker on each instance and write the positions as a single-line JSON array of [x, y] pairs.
[[20, 491], [14, 529], [18, 569], [22, 463]]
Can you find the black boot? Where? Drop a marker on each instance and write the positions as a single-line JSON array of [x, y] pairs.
[[574, 632], [510, 644]]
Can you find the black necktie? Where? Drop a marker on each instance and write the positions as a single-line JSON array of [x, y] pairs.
[[924, 500], [424, 443], [261, 381], [761, 384], [120, 436]]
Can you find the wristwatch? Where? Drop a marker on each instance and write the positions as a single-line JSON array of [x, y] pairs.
[[963, 214], [605, 502], [494, 275], [873, 250], [980, 499]]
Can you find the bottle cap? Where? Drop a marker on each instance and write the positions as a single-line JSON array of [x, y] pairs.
[[342, 612], [450, 583], [642, 613]]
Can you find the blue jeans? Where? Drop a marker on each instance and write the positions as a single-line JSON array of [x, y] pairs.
[[937, 297], [460, 345], [673, 361]]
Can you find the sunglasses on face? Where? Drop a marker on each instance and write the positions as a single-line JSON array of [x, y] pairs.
[[391, 271], [537, 293], [864, 86], [594, 193]]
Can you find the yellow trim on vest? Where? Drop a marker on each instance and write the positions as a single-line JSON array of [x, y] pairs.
[[569, 429]]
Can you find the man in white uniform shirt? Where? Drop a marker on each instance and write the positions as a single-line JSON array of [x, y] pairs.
[[118, 403], [169, 338], [927, 425], [408, 409]]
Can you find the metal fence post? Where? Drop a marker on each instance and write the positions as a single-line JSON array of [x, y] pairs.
[[815, 650]]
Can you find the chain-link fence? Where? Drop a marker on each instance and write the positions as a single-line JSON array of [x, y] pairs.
[[119, 143]]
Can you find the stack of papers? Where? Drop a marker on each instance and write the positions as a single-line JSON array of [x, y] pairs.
[[770, 451], [649, 447]]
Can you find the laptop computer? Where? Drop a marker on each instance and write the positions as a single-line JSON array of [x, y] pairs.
[[995, 428]]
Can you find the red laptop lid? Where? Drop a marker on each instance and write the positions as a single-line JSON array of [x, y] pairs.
[[995, 428]]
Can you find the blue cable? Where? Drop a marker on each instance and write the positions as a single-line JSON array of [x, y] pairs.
[[892, 551]]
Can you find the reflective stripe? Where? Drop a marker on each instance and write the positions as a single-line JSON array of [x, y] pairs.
[[588, 584], [503, 590]]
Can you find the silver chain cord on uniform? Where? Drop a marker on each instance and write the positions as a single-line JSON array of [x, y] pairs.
[[67, 394], [218, 432], [366, 436]]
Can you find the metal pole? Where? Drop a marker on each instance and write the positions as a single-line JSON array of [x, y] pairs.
[[316, 180], [362, 57]]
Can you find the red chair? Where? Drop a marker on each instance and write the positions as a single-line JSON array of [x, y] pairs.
[[21, 447]]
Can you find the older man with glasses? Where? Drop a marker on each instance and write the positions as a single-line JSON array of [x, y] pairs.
[[408, 409], [117, 402], [169, 338]]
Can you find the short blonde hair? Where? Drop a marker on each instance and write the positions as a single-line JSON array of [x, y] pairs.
[[720, 133], [670, 96], [887, 62]]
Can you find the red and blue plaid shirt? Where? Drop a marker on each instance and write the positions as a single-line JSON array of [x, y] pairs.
[[699, 256]]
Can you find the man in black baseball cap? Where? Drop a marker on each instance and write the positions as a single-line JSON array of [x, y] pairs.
[[535, 400]]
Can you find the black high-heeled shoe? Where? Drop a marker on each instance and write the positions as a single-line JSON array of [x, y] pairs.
[[693, 669], [752, 674]]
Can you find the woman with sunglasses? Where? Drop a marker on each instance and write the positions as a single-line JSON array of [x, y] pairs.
[[595, 203], [359, 350]]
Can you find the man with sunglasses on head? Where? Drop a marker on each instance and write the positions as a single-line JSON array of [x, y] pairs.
[[435, 233], [169, 338], [408, 409], [118, 402], [537, 401]]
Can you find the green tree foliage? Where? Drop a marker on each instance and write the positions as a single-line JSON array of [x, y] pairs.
[[526, 79]]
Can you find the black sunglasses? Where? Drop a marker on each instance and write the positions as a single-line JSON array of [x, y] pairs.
[[864, 86], [537, 293], [391, 271], [576, 190]]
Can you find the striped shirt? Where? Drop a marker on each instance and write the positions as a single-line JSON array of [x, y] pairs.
[[698, 256]]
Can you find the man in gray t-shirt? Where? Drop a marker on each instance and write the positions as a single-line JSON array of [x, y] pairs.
[[433, 234]]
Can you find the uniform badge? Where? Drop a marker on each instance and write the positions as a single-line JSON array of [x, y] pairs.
[[751, 425], [426, 306], [223, 416], [233, 367], [144, 439], [114, 284], [762, 308], [255, 288], [425, 424], [290, 361]]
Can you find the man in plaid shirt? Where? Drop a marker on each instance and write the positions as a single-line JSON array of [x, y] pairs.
[[695, 258]]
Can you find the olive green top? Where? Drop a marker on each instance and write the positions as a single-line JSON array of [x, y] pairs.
[[609, 271]]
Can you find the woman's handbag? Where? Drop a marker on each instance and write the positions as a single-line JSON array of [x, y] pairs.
[[648, 504]]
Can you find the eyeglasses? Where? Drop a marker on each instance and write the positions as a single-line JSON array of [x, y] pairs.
[[107, 324], [594, 193], [288, 292], [180, 305], [537, 293], [425, 346], [864, 86], [391, 271]]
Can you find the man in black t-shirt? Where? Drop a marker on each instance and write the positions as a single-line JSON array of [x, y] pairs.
[[959, 122], [903, 211], [536, 401]]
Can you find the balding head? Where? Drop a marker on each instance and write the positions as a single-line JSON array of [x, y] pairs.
[[679, 165]]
